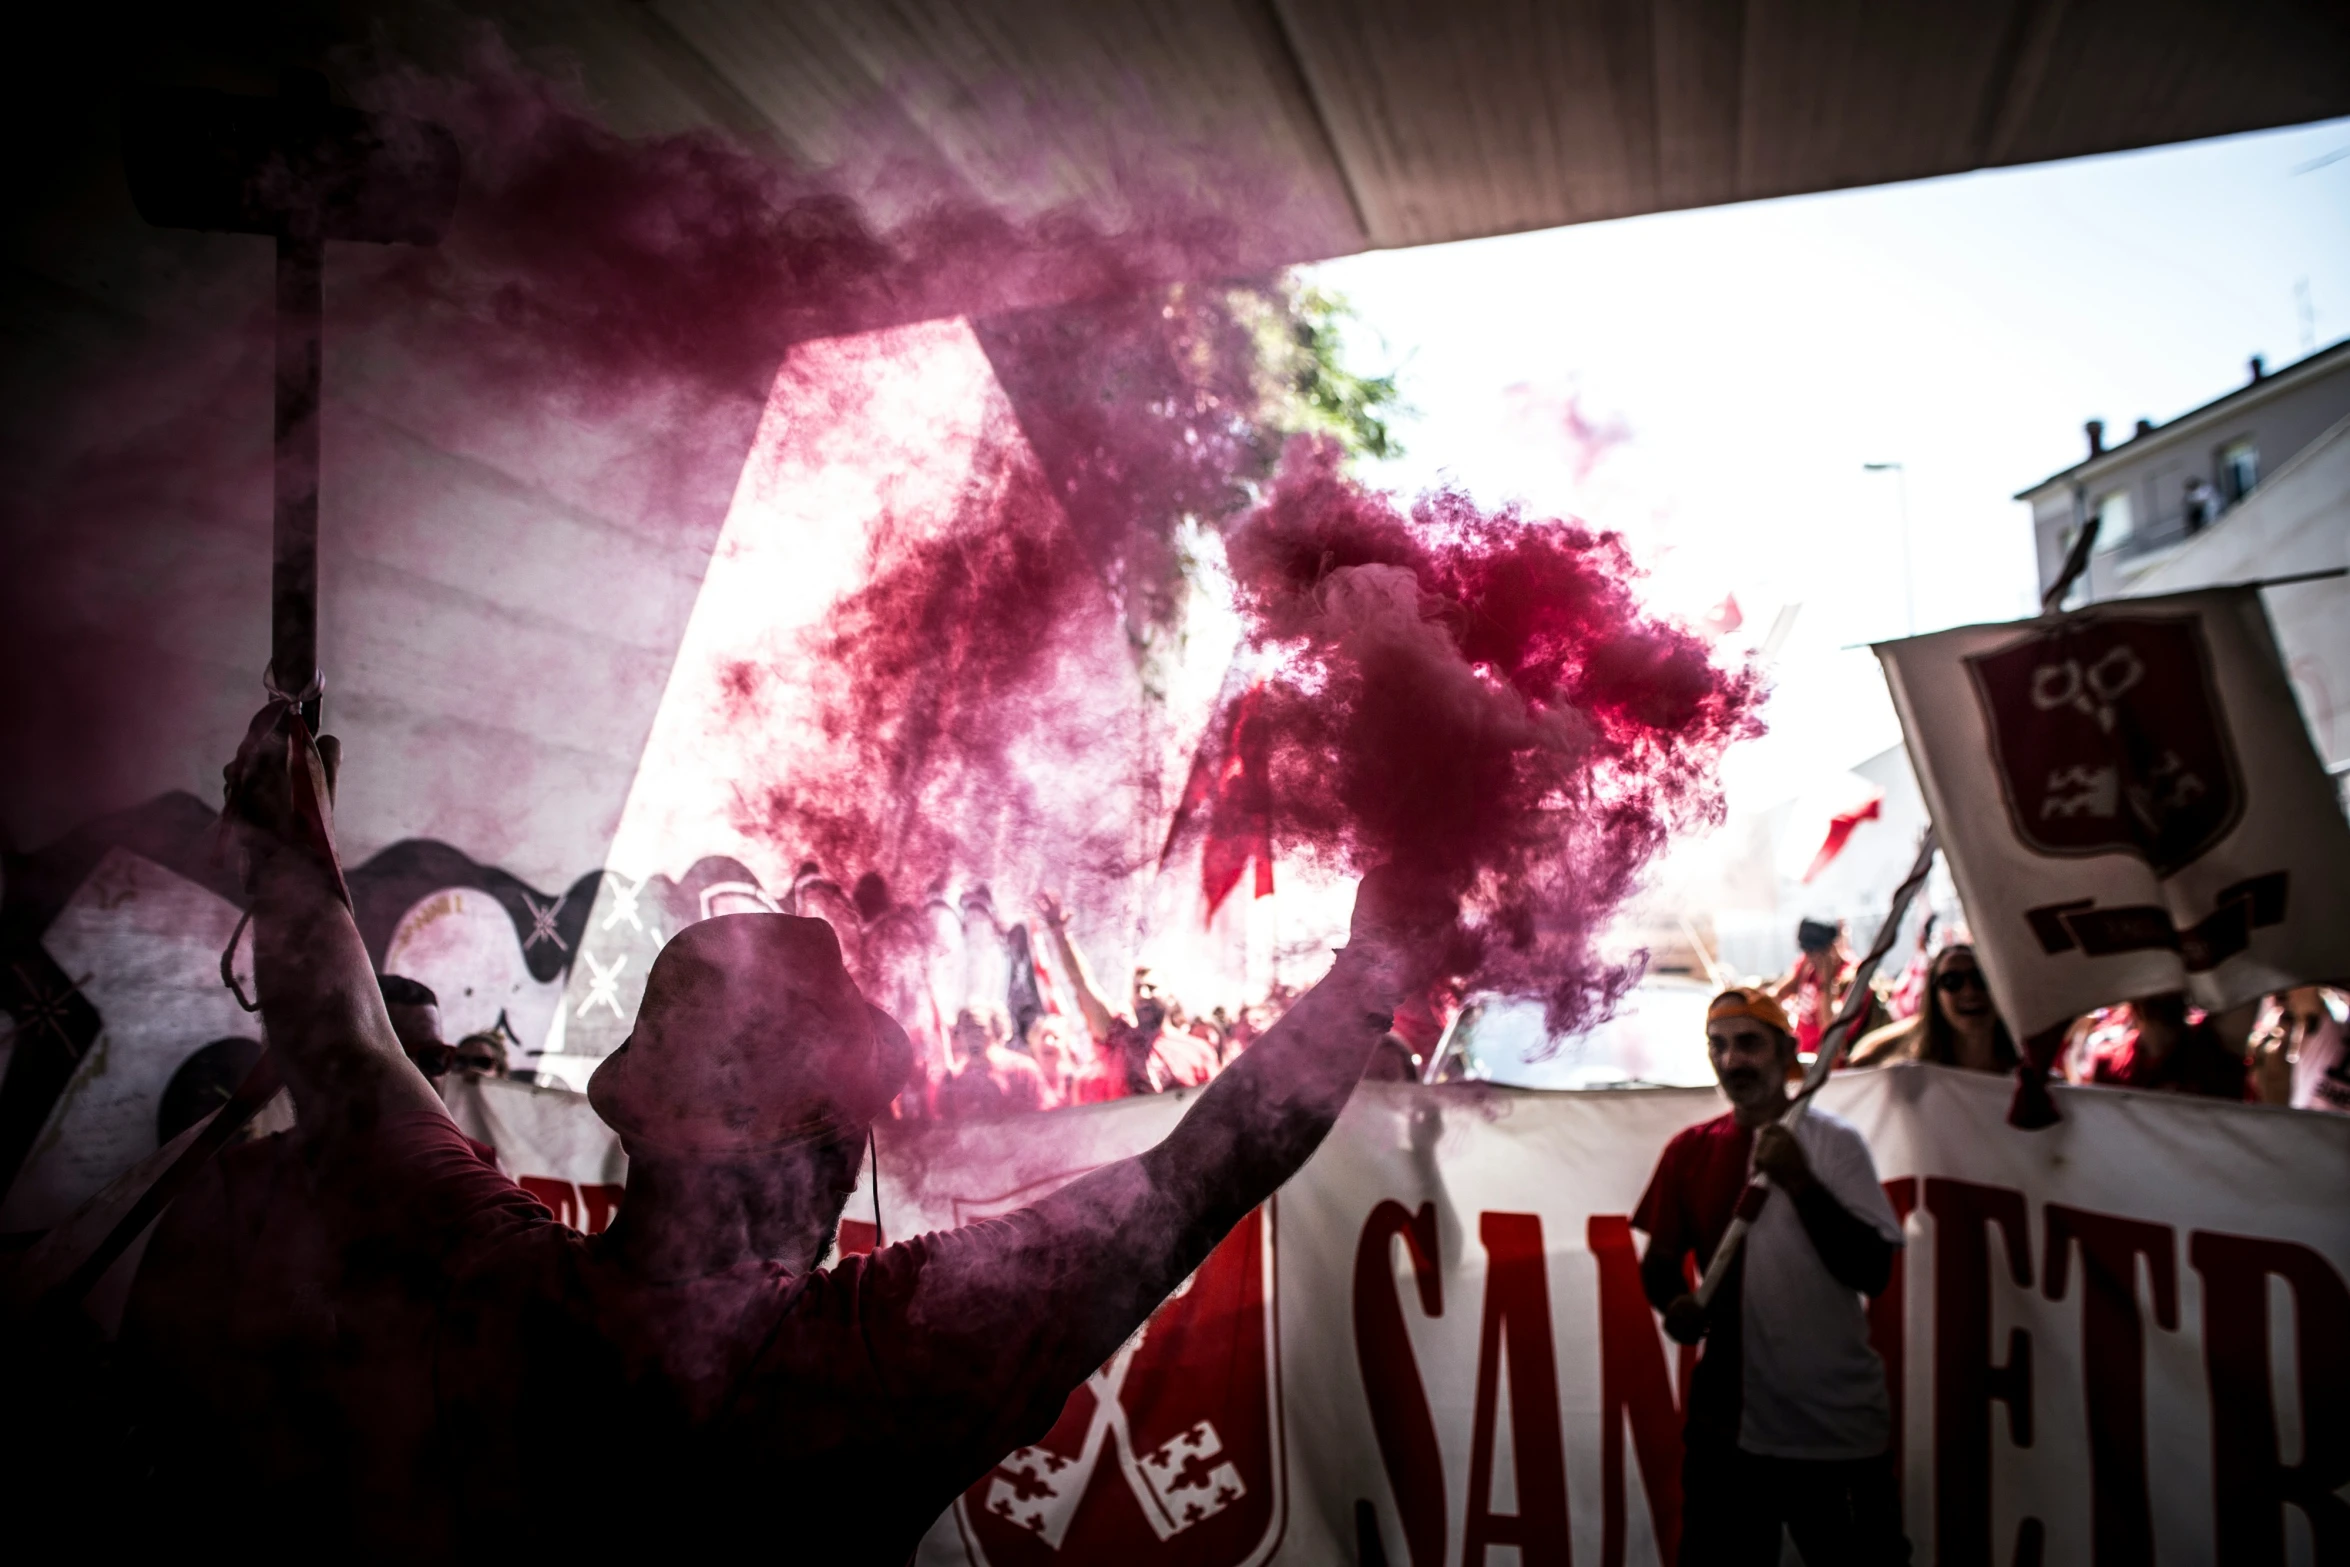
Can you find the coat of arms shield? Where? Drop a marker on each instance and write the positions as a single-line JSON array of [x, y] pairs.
[[2108, 738], [1171, 1453]]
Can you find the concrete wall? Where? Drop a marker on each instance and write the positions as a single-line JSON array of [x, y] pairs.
[[502, 589], [503, 586]]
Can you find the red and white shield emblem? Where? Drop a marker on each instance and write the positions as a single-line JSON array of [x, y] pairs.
[[1172, 1452], [2108, 736]]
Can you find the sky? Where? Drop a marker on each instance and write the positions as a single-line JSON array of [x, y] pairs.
[[1712, 384]]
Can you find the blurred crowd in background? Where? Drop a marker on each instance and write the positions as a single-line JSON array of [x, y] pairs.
[[1058, 1039], [1010, 1018]]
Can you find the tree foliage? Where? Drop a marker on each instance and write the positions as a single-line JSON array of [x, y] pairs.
[[1305, 384]]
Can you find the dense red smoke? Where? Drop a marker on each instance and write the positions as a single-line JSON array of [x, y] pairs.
[[593, 341], [1479, 697], [1479, 693], [588, 264], [1141, 410], [960, 692]]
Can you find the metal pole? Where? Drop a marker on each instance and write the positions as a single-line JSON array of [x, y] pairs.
[[301, 307], [1909, 588], [293, 583], [1909, 576], [1832, 1046], [2076, 560]]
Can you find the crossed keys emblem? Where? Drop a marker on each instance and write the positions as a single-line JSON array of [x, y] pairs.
[[1177, 1484], [542, 923], [624, 901], [603, 985]]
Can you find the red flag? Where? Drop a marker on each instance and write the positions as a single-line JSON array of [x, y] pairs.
[[1231, 793], [1839, 830]]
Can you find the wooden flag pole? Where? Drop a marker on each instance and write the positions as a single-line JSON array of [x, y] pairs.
[[1832, 1047]]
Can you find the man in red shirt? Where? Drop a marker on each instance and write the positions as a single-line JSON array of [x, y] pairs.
[[722, 1386], [1152, 1056], [1789, 1420]]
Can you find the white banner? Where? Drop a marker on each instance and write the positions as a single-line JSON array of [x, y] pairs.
[[550, 1141], [1433, 1342], [2130, 804], [2124, 1339]]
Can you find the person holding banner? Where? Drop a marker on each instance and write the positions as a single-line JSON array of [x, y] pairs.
[[733, 1387], [1789, 1421]]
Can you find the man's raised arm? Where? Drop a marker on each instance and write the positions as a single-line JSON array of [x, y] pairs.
[[1091, 1005], [320, 1008], [1096, 1257]]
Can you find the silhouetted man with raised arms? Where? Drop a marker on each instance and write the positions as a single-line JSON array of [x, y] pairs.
[[692, 1361]]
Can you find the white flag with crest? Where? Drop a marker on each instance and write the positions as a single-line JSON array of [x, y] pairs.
[[2130, 804]]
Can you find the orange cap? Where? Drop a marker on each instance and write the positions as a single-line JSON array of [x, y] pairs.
[[751, 1036], [1746, 1001]]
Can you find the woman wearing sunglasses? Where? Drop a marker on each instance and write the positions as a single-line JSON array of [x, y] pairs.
[[1957, 1026]]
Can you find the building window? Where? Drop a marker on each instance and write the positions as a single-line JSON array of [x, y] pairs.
[[2113, 519], [2239, 470]]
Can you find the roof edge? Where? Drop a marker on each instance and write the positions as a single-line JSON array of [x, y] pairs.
[[2274, 382]]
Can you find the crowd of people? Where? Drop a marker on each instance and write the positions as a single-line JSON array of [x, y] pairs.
[[1788, 1417], [2286, 1049], [363, 1325], [1012, 1029], [1056, 1039], [2283, 1049], [1027, 1053]]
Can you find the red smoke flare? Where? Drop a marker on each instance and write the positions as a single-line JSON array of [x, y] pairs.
[[1478, 694], [1480, 697]]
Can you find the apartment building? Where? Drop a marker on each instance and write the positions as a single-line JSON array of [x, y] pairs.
[[2166, 484], [2253, 487]]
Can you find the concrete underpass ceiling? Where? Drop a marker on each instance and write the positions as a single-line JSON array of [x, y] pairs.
[[1407, 122]]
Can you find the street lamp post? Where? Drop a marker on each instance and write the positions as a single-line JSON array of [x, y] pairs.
[[1909, 592]]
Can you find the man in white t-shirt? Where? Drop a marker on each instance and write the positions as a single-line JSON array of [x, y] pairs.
[[1788, 1417]]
